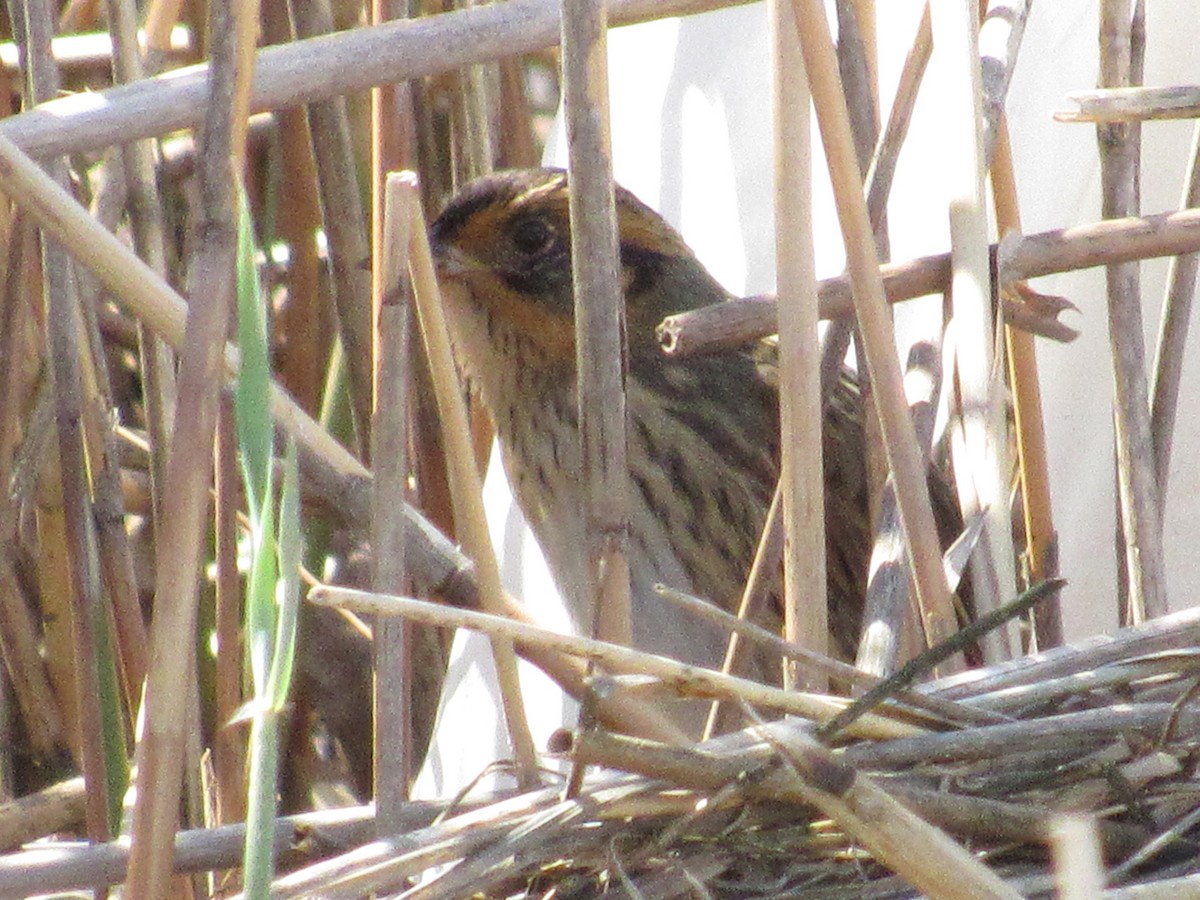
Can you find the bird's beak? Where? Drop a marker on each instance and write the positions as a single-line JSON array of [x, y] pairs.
[[451, 262]]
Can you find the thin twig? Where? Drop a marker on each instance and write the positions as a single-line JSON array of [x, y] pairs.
[[1172, 337], [927, 661], [686, 679]]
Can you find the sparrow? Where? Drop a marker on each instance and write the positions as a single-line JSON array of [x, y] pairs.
[[702, 431]]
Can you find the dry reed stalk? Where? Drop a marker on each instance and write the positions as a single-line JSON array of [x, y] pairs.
[[1166, 889], [303, 325], [56, 808], [146, 221], [886, 609], [599, 318], [391, 220], [389, 433], [20, 375], [1000, 33], [344, 222], [518, 146], [77, 866], [686, 680], [979, 440], [885, 612], [882, 168], [1172, 337], [1045, 253], [156, 364], [168, 695], [858, 69], [904, 457], [802, 485], [68, 469], [413, 851], [1138, 490], [1163, 635], [464, 479], [1029, 426], [161, 16], [1079, 867], [1132, 104], [229, 743], [129, 637], [311, 70]]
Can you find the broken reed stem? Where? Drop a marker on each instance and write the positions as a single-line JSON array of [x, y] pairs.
[[802, 483], [599, 318], [1133, 104], [389, 454], [685, 679], [979, 440], [735, 322], [1138, 490], [464, 477], [1172, 338], [1029, 424], [875, 326]]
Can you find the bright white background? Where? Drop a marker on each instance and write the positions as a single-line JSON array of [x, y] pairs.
[[691, 137]]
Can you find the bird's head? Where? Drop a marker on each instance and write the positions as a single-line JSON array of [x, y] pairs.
[[507, 239]]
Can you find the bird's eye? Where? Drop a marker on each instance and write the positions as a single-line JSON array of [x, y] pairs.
[[532, 236]]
